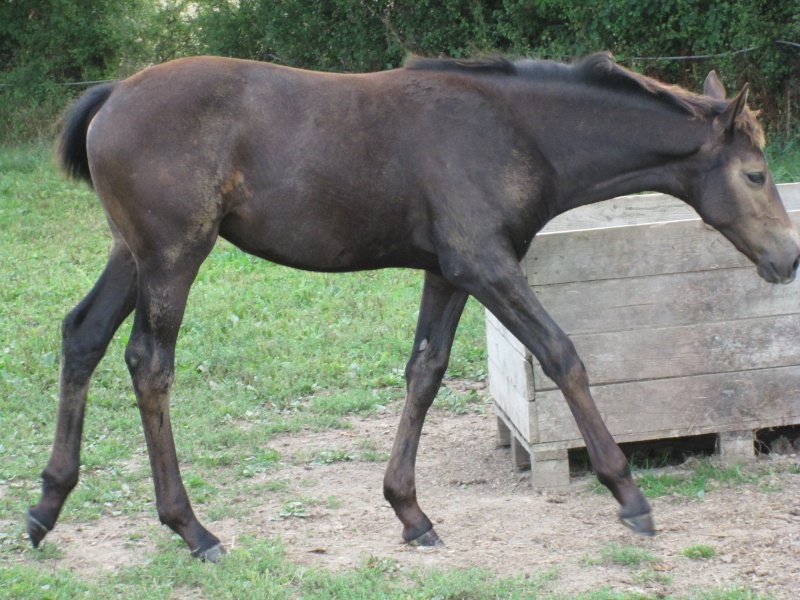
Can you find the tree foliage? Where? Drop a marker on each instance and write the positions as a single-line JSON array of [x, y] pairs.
[[63, 39], [47, 43]]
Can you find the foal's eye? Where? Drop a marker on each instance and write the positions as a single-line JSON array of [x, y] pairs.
[[757, 178]]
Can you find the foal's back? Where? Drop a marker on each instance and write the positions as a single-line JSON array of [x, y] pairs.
[[313, 170]]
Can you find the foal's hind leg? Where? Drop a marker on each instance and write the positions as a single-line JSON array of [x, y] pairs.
[[439, 313], [86, 332], [498, 283], [164, 284]]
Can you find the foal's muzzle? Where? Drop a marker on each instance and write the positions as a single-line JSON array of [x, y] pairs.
[[772, 273], [775, 251]]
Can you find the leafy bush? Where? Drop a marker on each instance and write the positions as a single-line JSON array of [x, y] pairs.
[[44, 44], [364, 35]]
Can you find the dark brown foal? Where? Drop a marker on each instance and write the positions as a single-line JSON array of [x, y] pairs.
[[443, 166]]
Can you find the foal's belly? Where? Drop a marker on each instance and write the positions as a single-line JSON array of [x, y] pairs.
[[321, 238]]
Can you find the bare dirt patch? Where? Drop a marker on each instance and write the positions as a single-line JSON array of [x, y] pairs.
[[489, 517]]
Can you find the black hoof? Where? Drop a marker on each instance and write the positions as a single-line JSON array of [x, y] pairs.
[[36, 530], [213, 554], [641, 524], [428, 539]]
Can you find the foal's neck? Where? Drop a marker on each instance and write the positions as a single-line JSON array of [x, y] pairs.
[[610, 149]]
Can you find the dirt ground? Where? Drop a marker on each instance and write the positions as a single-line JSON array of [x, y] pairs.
[[489, 517]]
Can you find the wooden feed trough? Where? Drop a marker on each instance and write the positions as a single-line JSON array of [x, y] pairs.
[[679, 334]]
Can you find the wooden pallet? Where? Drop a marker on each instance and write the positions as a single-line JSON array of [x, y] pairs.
[[679, 335]]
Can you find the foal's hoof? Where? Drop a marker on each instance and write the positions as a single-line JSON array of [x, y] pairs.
[[213, 554], [641, 524], [428, 539], [36, 530]]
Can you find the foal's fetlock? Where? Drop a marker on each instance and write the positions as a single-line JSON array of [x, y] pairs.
[[421, 534], [638, 516], [642, 524], [41, 519], [35, 528], [212, 554], [428, 539], [202, 543]]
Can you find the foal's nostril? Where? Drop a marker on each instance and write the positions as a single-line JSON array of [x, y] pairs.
[[795, 265]]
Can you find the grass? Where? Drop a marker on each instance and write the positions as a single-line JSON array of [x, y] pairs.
[[702, 477], [263, 350], [640, 562], [700, 552], [623, 555]]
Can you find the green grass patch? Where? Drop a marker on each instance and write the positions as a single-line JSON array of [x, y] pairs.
[[380, 578], [461, 403], [734, 593], [617, 554], [704, 476], [651, 576], [329, 456], [368, 451], [700, 552], [24, 581]]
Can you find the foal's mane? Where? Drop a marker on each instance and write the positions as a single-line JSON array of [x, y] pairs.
[[600, 70]]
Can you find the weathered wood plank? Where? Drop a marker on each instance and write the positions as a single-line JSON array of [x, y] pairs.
[[630, 251], [727, 347], [511, 364], [665, 300], [635, 251], [512, 402], [639, 209], [680, 406], [497, 328], [624, 210]]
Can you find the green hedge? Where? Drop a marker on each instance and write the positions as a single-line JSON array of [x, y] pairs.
[[365, 35], [46, 44], [42, 44]]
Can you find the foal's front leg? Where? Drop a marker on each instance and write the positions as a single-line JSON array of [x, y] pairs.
[[497, 281], [439, 313]]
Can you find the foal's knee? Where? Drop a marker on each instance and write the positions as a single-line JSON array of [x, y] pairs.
[[150, 367], [61, 481], [174, 511], [561, 363], [424, 373]]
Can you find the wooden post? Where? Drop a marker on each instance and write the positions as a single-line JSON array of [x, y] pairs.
[[503, 434], [520, 458], [734, 446], [549, 469]]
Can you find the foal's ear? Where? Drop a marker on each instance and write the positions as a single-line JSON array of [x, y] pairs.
[[713, 86], [726, 120]]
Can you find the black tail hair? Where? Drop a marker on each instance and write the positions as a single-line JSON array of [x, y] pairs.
[[71, 150]]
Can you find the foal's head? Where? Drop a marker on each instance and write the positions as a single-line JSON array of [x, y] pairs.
[[732, 189]]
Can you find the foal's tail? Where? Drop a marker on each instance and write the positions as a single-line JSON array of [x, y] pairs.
[[71, 150]]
